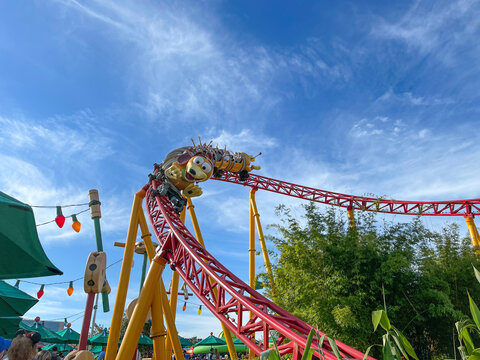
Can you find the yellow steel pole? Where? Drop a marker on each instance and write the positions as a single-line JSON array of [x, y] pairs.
[[198, 235], [266, 259], [136, 323], [351, 217], [124, 279], [472, 229], [251, 262], [172, 329], [158, 332], [173, 299]]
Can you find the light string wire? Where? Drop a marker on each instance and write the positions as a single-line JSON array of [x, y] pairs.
[[63, 282], [69, 216], [55, 206]]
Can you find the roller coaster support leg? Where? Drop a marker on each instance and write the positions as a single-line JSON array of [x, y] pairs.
[[256, 215], [120, 299], [170, 320], [351, 217], [251, 263], [473, 234], [198, 235], [135, 326], [173, 300], [158, 332]]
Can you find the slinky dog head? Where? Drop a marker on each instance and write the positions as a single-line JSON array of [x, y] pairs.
[[198, 167]]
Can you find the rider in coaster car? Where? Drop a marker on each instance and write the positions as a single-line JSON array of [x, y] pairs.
[[184, 167]]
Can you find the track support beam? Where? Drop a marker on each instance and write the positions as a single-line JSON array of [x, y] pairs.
[[472, 229], [198, 235]]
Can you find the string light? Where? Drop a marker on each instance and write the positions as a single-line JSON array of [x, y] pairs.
[[200, 310], [70, 290], [76, 224], [40, 292], [60, 219], [184, 307]]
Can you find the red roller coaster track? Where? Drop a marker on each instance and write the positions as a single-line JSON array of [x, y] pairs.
[[469, 207], [224, 294], [229, 298]]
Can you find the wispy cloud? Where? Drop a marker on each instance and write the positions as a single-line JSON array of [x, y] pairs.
[[187, 67], [439, 28]]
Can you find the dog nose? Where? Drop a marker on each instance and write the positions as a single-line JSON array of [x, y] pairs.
[[193, 172]]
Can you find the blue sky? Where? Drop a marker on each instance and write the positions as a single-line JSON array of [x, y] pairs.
[[357, 97]]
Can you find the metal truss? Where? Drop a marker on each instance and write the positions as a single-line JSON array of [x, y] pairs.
[[225, 295], [465, 208]]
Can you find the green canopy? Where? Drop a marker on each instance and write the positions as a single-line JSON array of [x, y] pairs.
[[60, 347], [99, 339], [23, 254], [145, 340], [47, 335], [9, 326], [14, 302], [205, 349], [68, 336], [210, 341], [185, 342], [96, 349]]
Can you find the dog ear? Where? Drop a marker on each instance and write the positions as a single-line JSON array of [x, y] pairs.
[[183, 159]]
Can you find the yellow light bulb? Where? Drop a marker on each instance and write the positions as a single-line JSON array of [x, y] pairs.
[[200, 310]]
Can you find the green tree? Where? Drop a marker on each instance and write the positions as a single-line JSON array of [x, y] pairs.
[[334, 276]]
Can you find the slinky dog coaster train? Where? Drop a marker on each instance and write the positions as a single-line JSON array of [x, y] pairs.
[[241, 310]]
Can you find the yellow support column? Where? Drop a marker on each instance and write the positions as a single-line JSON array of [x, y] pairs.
[[198, 235], [266, 259], [135, 326], [124, 279], [173, 300], [158, 333], [351, 217], [251, 261], [172, 329], [472, 229]]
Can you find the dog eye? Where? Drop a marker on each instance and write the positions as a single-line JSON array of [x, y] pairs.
[[206, 167], [198, 160]]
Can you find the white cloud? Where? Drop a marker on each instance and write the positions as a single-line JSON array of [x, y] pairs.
[[439, 28], [187, 67]]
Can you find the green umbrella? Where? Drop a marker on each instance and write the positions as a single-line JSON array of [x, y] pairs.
[[96, 349], [14, 302], [23, 254], [68, 336], [47, 335], [205, 349], [60, 347], [9, 326], [145, 340], [185, 342], [211, 341], [100, 339]]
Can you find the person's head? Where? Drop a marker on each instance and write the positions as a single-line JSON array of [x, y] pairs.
[[24, 346], [54, 350], [44, 355]]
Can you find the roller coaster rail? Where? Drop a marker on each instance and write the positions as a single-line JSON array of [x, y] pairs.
[[466, 208], [234, 299]]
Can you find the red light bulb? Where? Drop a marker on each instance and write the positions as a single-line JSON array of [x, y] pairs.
[[40, 294], [60, 219]]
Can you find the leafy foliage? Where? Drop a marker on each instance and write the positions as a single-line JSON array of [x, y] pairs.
[[332, 275]]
